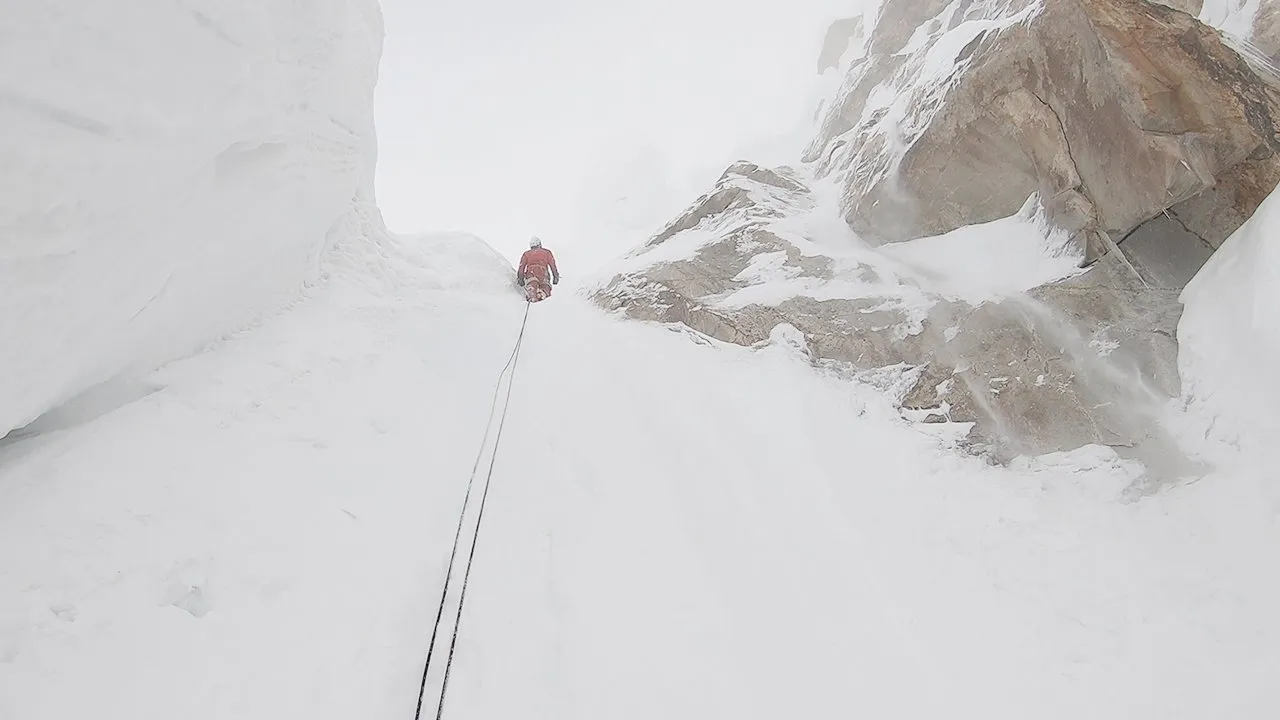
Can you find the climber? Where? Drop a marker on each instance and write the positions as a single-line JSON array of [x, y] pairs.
[[537, 272]]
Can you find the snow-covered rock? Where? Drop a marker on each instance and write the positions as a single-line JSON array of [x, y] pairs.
[[1230, 334], [171, 172], [987, 139], [841, 35], [458, 262], [1088, 360], [1190, 7], [1114, 111]]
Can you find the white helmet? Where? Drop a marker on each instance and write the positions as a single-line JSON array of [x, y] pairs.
[[535, 242]]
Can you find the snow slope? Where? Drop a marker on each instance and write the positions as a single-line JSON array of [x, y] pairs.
[[1233, 16], [677, 529], [171, 172], [1229, 330], [993, 260]]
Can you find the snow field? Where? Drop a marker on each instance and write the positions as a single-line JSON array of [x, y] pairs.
[[676, 528], [259, 538]]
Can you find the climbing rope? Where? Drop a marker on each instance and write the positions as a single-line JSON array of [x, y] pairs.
[[512, 361]]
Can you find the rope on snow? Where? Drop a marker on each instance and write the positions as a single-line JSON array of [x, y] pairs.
[[512, 361]]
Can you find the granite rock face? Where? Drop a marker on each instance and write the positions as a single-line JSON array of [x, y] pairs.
[[1129, 134]]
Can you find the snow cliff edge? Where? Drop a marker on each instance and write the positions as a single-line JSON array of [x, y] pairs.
[[171, 172]]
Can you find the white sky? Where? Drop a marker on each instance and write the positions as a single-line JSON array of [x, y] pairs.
[[503, 117]]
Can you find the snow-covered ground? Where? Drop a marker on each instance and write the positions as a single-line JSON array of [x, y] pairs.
[[676, 529], [988, 261]]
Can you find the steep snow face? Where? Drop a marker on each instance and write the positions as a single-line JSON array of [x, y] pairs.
[[850, 39], [457, 261], [1229, 331], [170, 171], [1255, 21], [1233, 16]]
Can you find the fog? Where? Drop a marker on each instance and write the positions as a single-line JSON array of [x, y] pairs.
[[508, 119]]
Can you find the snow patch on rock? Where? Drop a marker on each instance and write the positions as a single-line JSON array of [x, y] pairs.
[[993, 260]]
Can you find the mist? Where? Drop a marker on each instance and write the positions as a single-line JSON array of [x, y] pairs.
[[507, 120]]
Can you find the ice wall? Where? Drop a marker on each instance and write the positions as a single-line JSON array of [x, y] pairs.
[[169, 170]]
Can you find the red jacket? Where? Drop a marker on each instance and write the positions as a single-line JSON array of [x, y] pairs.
[[538, 261]]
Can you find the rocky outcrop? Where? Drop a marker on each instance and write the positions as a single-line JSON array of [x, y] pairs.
[[1190, 7], [1112, 110], [1089, 360], [840, 35], [1265, 33], [1034, 375], [1143, 138]]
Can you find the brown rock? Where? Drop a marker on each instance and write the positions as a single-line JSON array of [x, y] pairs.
[[840, 34], [1142, 130], [1056, 370], [1113, 110], [1190, 7], [1266, 29]]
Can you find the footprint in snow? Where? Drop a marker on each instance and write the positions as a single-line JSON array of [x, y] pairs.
[[194, 602], [64, 611], [187, 588]]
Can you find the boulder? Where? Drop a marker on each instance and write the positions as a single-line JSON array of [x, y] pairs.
[[1061, 367], [1089, 360], [1112, 110]]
